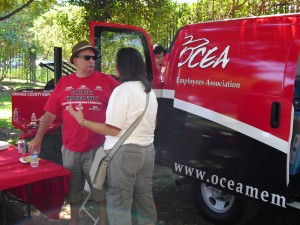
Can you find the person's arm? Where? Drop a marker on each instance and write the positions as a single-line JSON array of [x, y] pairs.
[[100, 128], [46, 122]]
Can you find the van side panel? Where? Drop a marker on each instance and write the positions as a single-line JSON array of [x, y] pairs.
[[241, 64], [193, 145], [227, 107]]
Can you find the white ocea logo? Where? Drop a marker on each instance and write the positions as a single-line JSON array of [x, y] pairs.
[[208, 57]]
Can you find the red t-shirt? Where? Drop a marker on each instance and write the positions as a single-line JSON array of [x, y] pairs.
[[93, 93]]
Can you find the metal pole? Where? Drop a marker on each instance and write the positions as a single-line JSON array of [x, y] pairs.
[[57, 64]]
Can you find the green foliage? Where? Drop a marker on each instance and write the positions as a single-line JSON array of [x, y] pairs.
[[162, 18], [14, 35], [43, 24], [60, 27], [210, 10], [95, 9], [8, 6], [5, 109], [12, 38], [157, 17]]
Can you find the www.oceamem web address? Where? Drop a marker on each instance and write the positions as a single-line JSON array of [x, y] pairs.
[[231, 185]]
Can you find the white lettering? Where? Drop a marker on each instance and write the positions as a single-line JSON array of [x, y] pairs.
[[223, 58], [208, 60], [264, 195], [31, 94], [221, 182], [178, 167], [200, 174], [251, 191], [189, 170], [223, 83], [207, 57], [214, 179], [278, 200], [239, 188], [230, 184]]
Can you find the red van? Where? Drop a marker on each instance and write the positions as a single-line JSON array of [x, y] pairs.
[[226, 108], [228, 118]]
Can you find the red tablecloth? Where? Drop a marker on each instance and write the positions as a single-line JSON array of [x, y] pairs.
[[29, 131], [49, 183]]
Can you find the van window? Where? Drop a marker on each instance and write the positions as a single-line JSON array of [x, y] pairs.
[[109, 41]]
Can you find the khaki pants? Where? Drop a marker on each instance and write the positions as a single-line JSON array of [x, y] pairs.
[[129, 186]]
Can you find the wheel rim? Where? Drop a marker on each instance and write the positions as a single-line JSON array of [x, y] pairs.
[[217, 200]]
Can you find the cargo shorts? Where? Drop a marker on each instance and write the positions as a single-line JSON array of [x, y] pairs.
[[79, 164]]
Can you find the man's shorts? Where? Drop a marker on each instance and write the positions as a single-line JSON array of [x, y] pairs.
[[79, 164]]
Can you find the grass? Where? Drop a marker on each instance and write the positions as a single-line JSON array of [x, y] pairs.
[[5, 101]]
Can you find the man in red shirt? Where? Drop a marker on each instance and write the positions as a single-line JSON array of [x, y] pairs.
[[92, 89]]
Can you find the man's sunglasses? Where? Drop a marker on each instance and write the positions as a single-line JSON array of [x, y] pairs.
[[87, 57]]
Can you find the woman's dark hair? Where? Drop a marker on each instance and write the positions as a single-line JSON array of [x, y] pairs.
[[158, 49], [131, 67]]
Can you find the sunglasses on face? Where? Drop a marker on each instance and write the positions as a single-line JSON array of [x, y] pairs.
[[88, 57]]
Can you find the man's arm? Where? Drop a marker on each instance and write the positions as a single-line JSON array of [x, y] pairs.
[[46, 122]]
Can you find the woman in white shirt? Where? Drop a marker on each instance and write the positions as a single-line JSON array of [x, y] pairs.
[[129, 176]]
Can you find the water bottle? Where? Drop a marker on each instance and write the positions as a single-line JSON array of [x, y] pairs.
[[16, 114], [34, 159], [33, 120]]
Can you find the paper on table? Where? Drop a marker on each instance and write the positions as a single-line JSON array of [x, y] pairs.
[[25, 159], [3, 145]]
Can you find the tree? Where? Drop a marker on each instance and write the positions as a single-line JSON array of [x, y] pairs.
[[64, 26], [60, 27], [14, 35], [16, 10], [210, 10], [12, 7], [153, 16]]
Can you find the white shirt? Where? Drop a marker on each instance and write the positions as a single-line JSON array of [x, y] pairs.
[[125, 105]]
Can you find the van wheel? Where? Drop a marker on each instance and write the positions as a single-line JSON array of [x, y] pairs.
[[221, 207]]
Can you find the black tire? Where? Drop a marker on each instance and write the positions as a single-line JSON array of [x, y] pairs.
[[221, 207]]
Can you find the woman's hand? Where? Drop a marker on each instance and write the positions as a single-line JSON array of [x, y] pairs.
[[99, 128], [78, 115]]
